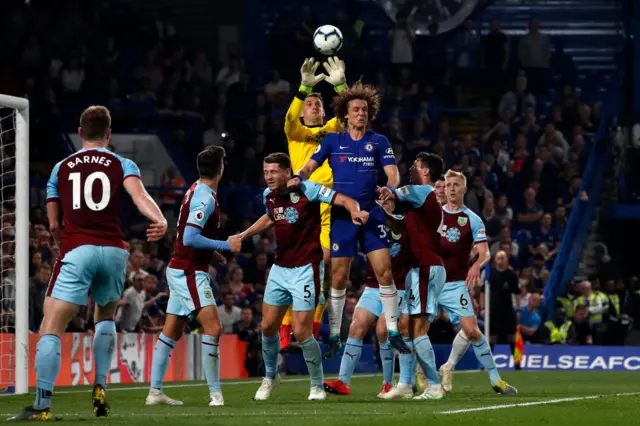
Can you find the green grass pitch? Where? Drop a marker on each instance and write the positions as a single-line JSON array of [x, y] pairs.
[[545, 398]]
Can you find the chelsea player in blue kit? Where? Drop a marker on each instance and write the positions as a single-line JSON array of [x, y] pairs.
[[355, 156]]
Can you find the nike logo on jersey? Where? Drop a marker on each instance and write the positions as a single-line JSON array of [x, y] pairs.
[[343, 147]]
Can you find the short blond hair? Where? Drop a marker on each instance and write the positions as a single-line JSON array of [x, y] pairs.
[[452, 173]]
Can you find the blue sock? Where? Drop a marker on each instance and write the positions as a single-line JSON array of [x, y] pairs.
[[408, 365], [47, 369], [427, 359], [313, 358], [161, 354], [350, 359], [211, 362], [104, 344], [388, 359], [270, 349], [483, 352]]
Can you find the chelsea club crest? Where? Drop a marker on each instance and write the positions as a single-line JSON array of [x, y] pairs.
[[462, 221], [295, 197], [368, 147]]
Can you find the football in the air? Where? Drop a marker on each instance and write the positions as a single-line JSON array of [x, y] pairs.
[[327, 40]]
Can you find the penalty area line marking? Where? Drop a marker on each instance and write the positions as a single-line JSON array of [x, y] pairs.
[[529, 404]]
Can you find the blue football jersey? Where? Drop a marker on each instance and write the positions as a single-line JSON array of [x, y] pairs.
[[355, 164]]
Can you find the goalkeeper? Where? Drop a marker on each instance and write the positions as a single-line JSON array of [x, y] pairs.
[[305, 128]]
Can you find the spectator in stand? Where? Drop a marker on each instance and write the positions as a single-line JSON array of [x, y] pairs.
[[496, 53], [534, 52], [474, 199], [37, 290], [277, 89], [467, 51], [72, 77], [526, 289], [402, 37], [229, 314], [598, 305], [503, 284], [504, 237], [246, 328], [136, 263], [242, 293], [517, 100], [545, 235], [229, 74], [491, 222], [530, 321], [584, 335], [531, 212], [132, 304], [560, 331]]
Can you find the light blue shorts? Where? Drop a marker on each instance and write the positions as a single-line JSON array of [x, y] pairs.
[[299, 286], [370, 300], [188, 291], [98, 269], [423, 288], [455, 301]]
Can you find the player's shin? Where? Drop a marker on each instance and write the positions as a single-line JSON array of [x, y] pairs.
[[408, 365], [313, 358], [270, 349], [389, 299], [458, 349], [350, 359], [483, 352], [211, 362], [104, 343], [427, 359], [336, 309], [47, 368], [161, 354], [388, 359]]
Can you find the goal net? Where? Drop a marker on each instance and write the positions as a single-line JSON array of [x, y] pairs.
[[14, 244]]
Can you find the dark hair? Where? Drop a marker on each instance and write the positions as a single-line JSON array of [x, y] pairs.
[[95, 121], [210, 161], [279, 158], [364, 92], [441, 177], [432, 162]]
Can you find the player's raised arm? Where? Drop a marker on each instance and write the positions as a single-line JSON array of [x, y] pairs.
[[147, 207], [53, 204], [321, 193], [293, 129]]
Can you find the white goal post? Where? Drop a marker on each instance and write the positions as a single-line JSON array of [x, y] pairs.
[[20, 346]]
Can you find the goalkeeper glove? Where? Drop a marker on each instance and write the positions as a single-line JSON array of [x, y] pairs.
[[308, 74], [335, 73]]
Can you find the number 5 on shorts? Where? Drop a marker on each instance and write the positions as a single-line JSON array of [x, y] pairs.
[[307, 292]]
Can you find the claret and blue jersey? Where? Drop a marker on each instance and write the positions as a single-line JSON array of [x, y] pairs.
[[355, 165]]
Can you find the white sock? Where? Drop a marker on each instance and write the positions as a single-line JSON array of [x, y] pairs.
[[389, 298], [336, 308], [458, 348]]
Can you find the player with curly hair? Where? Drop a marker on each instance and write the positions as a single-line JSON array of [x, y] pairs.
[[355, 156]]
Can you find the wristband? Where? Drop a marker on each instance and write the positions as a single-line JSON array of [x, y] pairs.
[[305, 89], [390, 187], [298, 176], [340, 87]]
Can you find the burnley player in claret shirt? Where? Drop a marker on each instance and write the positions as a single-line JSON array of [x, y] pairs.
[[462, 231], [85, 190], [425, 280], [297, 272], [191, 295]]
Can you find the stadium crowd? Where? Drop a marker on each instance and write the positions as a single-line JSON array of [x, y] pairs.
[[524, 168]]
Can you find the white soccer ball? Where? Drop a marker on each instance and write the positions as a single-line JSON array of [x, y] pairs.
[[327, 40]]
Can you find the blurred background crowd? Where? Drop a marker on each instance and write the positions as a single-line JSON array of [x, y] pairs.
[[509, 109]]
